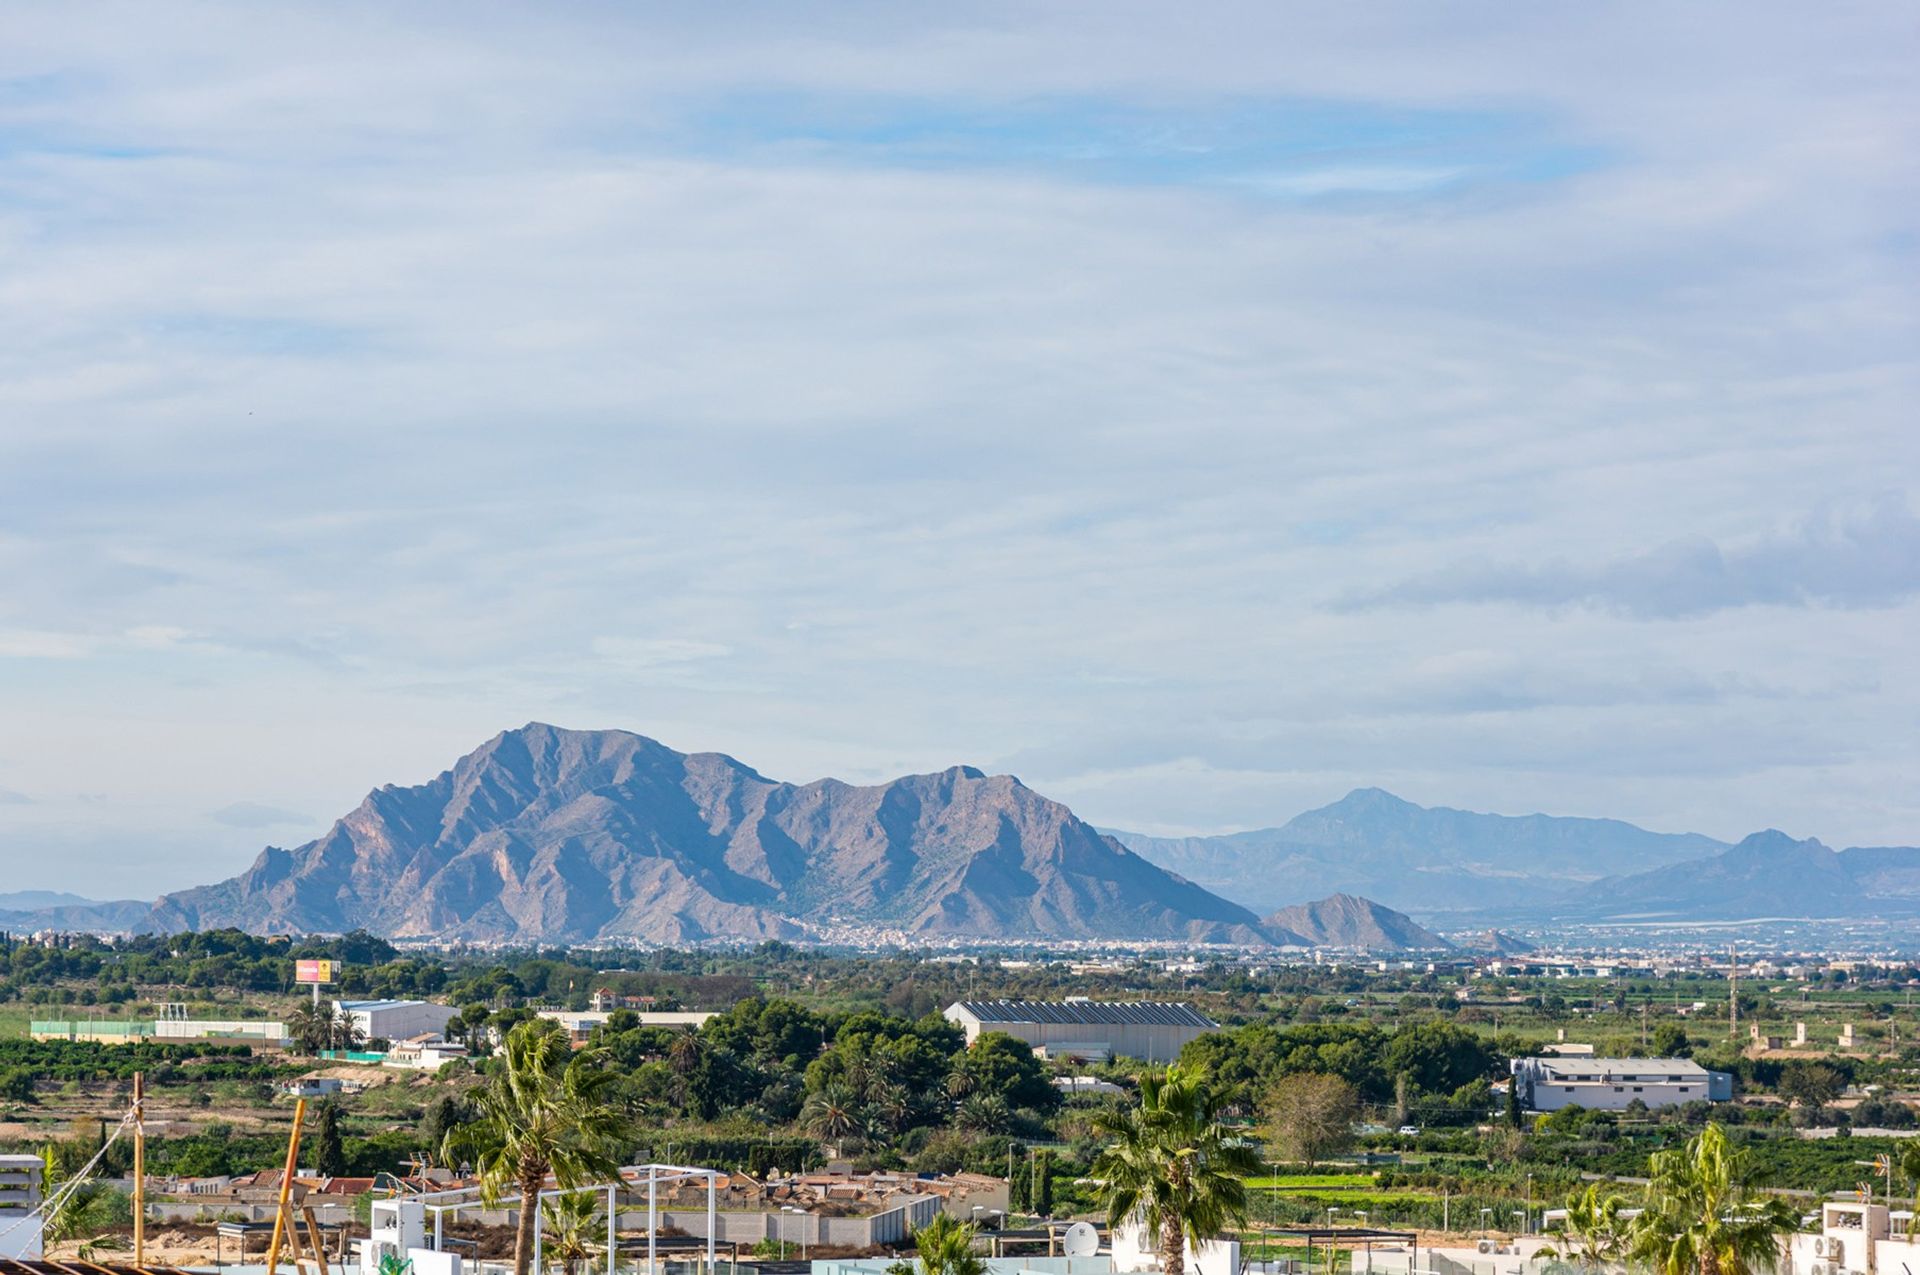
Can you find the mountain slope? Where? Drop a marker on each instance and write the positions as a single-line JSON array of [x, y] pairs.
[[1341, 920], [82, 916], [551, 835], [1373, 844], [1767, 874]]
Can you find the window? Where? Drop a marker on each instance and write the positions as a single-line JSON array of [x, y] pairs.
[[1639, 1089], [1684, 1089], [1619, 1088]]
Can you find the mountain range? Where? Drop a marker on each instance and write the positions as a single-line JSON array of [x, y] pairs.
[[545, 835], [550, 835], [1428, 860], [1767, 874]]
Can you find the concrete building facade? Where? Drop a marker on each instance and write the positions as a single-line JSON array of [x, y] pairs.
[[1613, 1084], [398, 1020]]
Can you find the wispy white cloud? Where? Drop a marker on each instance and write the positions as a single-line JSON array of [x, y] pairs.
[[254, 814], [1840, 558]]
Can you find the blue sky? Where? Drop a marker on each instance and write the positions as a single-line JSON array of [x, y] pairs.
[[1513, 409]]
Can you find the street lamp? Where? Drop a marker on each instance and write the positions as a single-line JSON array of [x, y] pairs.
[[788, 1208], [1486, 1221]]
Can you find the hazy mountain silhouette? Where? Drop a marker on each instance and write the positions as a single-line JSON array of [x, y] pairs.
[[1373, 844]]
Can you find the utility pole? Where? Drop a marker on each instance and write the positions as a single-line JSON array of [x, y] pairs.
[[1733, 994], [139, 1168]]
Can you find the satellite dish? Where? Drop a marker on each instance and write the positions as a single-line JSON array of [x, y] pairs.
[[1081, 1240]]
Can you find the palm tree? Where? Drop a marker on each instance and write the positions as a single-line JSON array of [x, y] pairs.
[[1172, 1167], [571, 1233], [86, 1213], [304, 1029], [1702, 1220], [1597, 1233], [961, 1078], [985, 1113], [832, 1112], [548, 1110], [944, 1247], [1910, 1165]]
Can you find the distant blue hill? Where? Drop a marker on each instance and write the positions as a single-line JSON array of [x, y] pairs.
[[1419, 859]]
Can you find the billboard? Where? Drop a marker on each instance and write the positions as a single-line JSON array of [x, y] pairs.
[[316, 971]]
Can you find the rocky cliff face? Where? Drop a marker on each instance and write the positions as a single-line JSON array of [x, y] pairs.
[[553, 835]]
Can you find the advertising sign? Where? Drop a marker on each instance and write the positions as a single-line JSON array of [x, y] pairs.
[[316, 972]]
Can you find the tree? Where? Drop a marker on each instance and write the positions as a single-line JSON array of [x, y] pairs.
[[943, 1246], [1700, 1217], [1311, 1115], [1597, 1233], [1811, 1085], [1171, 1167], [985, 1113], [1910, 1165], [1514, 1116], [443, 1115], [1006, 1067], [546, 1110], [87, 1212], [330, 1150], [1670, 1041], [832, 1113], [569, 1222], [1041, 1203]]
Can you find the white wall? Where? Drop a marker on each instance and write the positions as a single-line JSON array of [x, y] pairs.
[[397, 1022], [1134, 1250]]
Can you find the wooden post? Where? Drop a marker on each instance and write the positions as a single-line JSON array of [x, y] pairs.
[[314, 1241], [286, 1188], [139, 1168]]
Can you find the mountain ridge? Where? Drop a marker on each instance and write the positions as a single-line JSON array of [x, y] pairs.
[[1345, 920], [1768, 873], [1406, 856], [543, 834]]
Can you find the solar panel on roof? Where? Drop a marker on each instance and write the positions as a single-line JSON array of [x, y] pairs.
[[1089, 1013]]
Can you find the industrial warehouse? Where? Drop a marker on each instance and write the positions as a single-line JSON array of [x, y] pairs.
[[1087, 1030]]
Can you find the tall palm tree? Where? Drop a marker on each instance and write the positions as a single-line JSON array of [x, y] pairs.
[[548, 1110], [944, 1247], [1172, 1167], [1702, 1220]]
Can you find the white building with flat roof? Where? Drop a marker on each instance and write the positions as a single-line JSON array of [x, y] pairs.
[[1611, 1084]]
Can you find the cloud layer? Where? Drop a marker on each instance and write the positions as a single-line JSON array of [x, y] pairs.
[[1868, 558], [1124, 399]]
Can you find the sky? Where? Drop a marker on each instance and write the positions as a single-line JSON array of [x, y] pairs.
[[1198, 412]]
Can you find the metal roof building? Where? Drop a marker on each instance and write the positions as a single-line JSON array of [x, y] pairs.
[[1085, 1029]]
